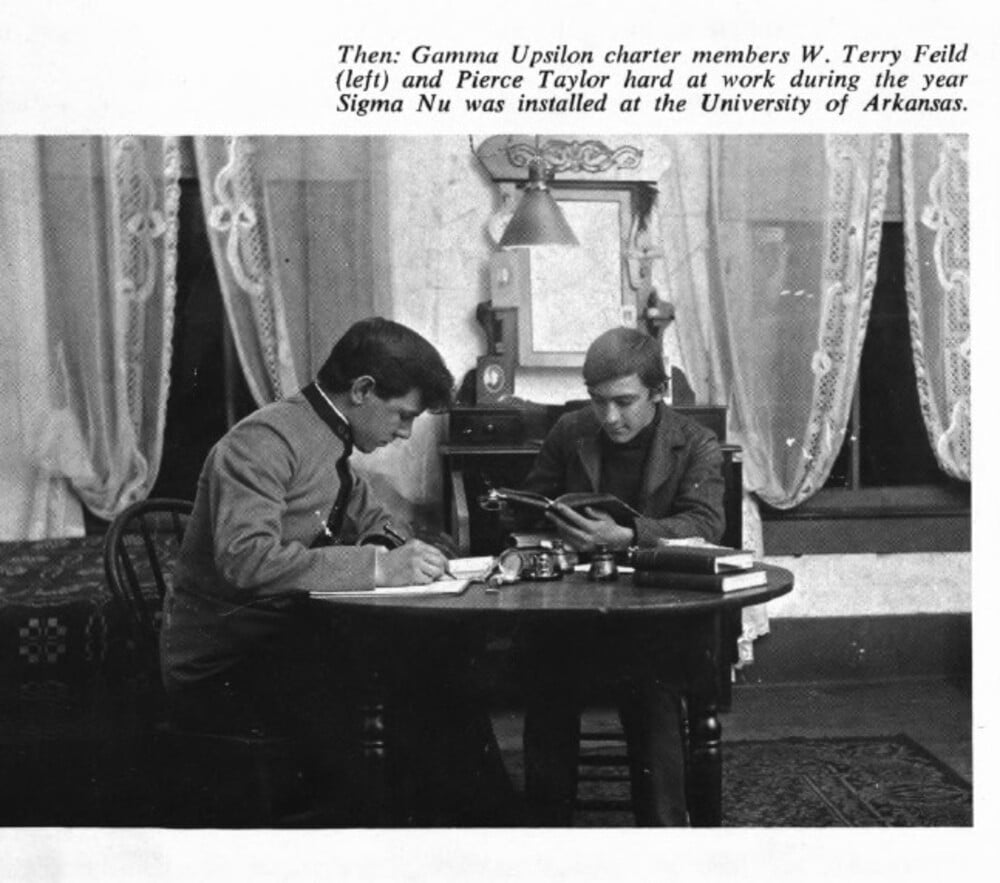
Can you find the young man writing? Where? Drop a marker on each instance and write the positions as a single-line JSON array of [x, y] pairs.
[[629, 443], [280, 512]]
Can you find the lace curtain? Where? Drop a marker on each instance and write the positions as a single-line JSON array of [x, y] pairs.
[[289, 225], [772, 247], [936, 223], [88, 232]]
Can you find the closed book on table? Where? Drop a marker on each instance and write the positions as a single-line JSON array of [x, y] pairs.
[[717, 583], [693, 559]]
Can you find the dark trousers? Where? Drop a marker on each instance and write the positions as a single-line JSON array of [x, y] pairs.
[[563, 672], [446, 766]]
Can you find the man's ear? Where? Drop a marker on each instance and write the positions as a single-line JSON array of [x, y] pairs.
[[362, 389], [657, 393]]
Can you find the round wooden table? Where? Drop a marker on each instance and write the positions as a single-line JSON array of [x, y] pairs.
[[711, 625], [573, 596]]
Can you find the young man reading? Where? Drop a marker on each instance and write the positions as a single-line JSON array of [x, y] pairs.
[[280, 512], [668, 467]]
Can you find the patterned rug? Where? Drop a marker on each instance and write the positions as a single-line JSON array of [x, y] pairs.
[[888, 781]]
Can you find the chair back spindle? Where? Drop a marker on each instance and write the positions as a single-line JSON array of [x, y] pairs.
[[139, 550]]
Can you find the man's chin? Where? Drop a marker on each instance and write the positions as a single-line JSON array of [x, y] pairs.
[[621, 437], [368, 447]]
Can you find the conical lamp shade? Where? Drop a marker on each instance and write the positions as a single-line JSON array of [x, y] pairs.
[[538, 220]]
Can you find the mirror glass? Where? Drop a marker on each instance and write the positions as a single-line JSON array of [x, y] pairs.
[[575, 293]]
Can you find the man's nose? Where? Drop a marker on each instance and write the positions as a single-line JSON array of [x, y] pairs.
[[404, 431], [611, 415]]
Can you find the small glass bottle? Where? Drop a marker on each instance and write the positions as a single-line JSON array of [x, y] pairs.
[[564, 562], [545, 566], [602, 566]]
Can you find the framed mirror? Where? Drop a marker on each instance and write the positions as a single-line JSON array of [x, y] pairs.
[[575, 293], [566, 296]]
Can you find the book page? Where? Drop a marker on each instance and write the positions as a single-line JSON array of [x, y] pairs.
[[463, 572], [442, 586], [476, 567]]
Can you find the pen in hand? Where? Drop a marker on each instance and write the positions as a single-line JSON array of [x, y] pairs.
[[393, 534], [397, 538]]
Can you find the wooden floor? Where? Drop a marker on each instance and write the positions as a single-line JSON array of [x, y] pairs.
[[934, 712]]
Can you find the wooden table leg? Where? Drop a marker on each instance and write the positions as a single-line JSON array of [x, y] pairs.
[[377, 803], [377, 806], [709, 691], [704, 786]]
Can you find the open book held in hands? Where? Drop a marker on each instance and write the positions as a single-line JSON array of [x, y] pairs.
[[618, 509]]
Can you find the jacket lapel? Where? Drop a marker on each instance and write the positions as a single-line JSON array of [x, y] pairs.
[[662, 460], [589, 451]]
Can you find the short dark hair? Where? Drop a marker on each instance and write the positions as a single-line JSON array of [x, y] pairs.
[[396, 357], [622, 352]]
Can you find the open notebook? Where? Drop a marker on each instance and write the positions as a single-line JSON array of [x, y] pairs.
[[465, 570]]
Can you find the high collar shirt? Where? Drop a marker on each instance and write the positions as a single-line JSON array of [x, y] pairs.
[[264, 495]]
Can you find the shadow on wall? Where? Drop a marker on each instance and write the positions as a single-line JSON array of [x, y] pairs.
[[406, 475]]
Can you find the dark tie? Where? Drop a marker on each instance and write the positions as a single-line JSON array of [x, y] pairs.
[[335, 521]]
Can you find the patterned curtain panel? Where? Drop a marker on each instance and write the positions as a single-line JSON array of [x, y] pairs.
[[772, 247], [289, 221], [91, 239], [936, 231]]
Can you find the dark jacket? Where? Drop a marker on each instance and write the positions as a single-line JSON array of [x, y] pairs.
[[682, 486]]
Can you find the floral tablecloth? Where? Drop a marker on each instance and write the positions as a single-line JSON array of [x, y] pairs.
[[60, 633]]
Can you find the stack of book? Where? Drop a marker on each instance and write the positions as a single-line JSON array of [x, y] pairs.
[[699, 568]]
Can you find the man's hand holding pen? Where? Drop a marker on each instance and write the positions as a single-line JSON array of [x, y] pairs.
[[414, 563], [442, 541]]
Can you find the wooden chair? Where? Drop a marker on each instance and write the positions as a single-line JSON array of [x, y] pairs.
[[139, 549]]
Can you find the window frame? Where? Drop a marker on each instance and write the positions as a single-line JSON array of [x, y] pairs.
[[874, 519], [879, 520]]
